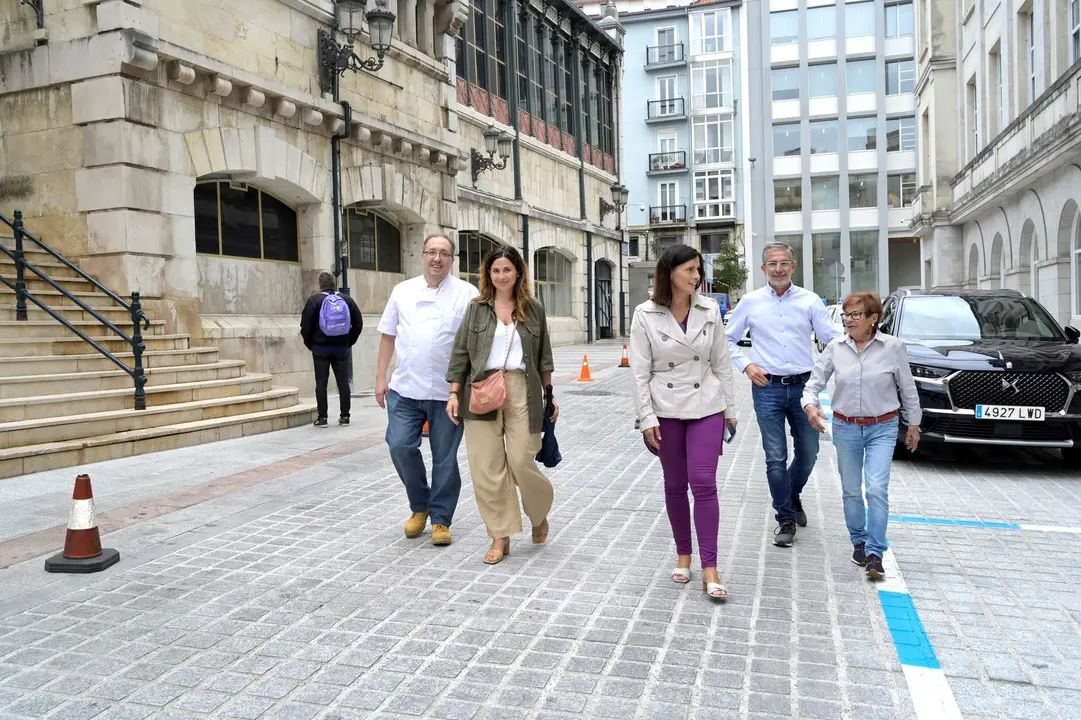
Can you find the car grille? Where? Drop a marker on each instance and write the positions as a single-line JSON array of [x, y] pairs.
[[969, 427], [1047, 390]]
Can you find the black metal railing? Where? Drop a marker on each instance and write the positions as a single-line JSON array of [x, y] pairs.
[[672, 107], [139, 319], [661, 214], [664, 54], [675, 160]]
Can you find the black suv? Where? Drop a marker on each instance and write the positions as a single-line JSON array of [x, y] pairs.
[[992, 368]]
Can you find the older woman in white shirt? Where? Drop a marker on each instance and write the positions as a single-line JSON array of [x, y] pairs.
[[873, 383], [682, 388]]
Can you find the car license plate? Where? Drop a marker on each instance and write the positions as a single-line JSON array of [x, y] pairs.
[[1009, 412]]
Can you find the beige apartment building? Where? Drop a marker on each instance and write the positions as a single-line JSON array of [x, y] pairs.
[[183, 149], [999, 95]]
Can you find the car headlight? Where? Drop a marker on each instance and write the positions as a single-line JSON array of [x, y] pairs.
[[922, 371]]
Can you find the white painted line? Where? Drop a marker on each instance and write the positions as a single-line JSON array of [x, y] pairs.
[[932, 697], [1052, 528], [893, 582]]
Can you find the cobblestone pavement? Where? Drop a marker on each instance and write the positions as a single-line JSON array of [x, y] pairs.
[[299, 597]]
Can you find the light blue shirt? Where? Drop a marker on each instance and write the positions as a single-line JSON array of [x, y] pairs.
[[780, 328]]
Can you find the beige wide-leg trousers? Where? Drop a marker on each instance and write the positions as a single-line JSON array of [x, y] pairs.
[[501, 456]]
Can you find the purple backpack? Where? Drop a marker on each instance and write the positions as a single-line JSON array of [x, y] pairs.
[[334, 319]]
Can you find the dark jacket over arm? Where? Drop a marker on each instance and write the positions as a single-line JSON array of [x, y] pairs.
[[313, 335]]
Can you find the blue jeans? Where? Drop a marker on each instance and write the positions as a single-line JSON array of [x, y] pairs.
[[407, 418], [773, 404], [864, 454]]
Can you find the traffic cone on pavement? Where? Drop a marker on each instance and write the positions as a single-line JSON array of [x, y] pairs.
[[585, 376], [626, 361], [82, 546]]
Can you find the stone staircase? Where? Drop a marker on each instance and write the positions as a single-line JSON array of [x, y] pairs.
[[63, 404]]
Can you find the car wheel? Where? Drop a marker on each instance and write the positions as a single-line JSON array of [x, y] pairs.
[[1072, 456]]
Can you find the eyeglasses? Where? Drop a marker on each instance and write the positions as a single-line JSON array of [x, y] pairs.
[[785, 264], [853, 315], [437, 254]]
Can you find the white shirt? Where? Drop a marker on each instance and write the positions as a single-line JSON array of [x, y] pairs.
[[423, 321], [780, 327], [516, 358]]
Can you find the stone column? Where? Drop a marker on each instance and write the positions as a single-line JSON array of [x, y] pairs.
[[426, 27], [407, 21]]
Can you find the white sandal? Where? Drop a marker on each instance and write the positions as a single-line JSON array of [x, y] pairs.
[[714, 590], [681, 575]]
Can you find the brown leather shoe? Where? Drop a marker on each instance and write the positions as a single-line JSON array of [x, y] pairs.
[[440, 535], [415, 525]]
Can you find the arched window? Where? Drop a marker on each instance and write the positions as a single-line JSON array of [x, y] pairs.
[[472, 249], [1033, 270], [235, 220], [374, 242], [1077, 265], [553, 272]]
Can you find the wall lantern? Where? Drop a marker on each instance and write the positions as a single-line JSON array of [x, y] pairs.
[[335, 59], [495, 140], [620, 195]]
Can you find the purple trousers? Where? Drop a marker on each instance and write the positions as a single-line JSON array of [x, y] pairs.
[[689, 452]]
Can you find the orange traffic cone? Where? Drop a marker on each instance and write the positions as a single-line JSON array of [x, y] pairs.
[[585, 376], [82, 546], [424, 432], [626, 361]]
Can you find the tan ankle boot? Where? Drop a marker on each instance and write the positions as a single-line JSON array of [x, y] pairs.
[[415, 524], [440, 535]]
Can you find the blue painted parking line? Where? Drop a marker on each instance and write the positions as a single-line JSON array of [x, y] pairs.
[[949, 521], [913, 645]]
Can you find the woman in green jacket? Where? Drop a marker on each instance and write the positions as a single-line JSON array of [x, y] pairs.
[[506, 330]]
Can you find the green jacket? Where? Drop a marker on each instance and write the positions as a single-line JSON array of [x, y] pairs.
[[473, 344]]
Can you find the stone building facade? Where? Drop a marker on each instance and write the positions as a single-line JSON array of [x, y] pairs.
[[999, 93], [184, 149]]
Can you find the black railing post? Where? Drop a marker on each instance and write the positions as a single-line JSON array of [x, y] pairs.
[[20, 273], [137, 348]]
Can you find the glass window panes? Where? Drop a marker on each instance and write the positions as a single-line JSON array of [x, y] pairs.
[[713, 194], [633, 245], [713, 139], [374, 242], [863, 191], [553, 273], [784, 27], [786, 83], [788, 195], [860, 76], [711, 242], [786, 140], [822, 22], [823, 80], [711, 31], [240, 221], [901, 190], [823, 136], [472, 249], [826, 250], [862, 133], [478, 46], [796, 243], [859, 19], [863, 251], [825, 193], [900, 77], [899, 20], [901, 134], [712, 85]]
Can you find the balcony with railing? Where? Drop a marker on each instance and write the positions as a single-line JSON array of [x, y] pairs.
[[665, 56], [1047, 127], [667, 214], [666, 110], [667, 163]]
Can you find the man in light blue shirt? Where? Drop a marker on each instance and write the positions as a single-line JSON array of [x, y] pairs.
[[781, 317]]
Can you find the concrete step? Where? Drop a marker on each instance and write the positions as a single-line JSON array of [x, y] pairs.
[[99, 401], [46, 263], [75, 285], [93, 362], [115, 314], [30, 386], [79, 452], [31, 347], [50, 328], [94, 298], [23, 433]]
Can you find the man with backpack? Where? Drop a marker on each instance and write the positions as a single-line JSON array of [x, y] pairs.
[[330, 325]]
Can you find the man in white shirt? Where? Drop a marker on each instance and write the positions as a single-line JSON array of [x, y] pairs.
[[781, 317], [418, 326]]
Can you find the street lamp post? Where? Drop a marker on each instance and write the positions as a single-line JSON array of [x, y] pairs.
[[335, 58], [495, 140]]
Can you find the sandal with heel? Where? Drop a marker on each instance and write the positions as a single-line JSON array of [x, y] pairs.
[[495, 555], [714, 590], [681, 576]]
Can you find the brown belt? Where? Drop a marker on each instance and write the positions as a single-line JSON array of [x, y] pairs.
[[865, 420]]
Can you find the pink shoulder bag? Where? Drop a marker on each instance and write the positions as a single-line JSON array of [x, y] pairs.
[[490, 394]]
